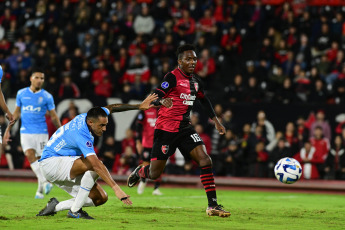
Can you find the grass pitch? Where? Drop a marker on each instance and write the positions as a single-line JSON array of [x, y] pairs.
[[176, 209]]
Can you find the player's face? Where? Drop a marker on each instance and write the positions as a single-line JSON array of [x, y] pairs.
[[37, 80], [98, 126], [188, 61]]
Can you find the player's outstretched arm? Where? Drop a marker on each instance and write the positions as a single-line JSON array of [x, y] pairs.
[[103, 172], [219, 126], [146, 104]]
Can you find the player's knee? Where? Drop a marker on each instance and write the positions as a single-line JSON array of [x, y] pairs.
[[102, 199], [205, 160]]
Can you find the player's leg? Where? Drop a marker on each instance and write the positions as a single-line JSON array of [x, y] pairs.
[[164, 146], [143, 181], [199, 155], [74, 175], [31, 156]]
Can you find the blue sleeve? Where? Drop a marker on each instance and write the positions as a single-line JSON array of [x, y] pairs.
[[50, 103], [1, 73], [85, 145], [106, 110], [18, 101]]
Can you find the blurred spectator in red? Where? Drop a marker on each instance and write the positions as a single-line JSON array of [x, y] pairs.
[[309, 161], [335, 68], [321, 122], [205, 67], [7, 18], [332, 51], [137, 68], [257, 160], [291, 137], [129, 141], [104, 88], [231, 42], [302, 84], [335, 162], [184, 28], [206, 25], [99, 74], [322, 146], [68, 89]]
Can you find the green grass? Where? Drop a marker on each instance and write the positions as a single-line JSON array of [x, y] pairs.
[[177, 209]]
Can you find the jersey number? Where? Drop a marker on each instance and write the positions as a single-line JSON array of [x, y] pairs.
[[55, 136], [196, 137]]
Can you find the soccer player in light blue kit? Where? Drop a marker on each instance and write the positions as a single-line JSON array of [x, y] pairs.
[[32, 103], [70, 162]]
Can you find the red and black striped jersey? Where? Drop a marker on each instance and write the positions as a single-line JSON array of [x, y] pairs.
[[184, 90]]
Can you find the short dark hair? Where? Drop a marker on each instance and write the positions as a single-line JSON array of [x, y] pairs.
[[96, 112], [37, 70], [183, 48]]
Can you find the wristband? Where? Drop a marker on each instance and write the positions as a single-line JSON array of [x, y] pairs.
[[124, 198]]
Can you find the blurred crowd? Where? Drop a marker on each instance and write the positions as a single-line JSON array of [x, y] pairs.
[[247, 52]]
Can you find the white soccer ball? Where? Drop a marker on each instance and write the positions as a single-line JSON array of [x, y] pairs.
[[288, 170]]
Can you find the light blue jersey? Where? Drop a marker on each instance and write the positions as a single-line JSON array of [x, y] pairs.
[[1, 73], [72, 139], [33, 108]]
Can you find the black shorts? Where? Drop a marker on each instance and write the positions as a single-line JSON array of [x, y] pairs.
[[146, 154], [165, 143]]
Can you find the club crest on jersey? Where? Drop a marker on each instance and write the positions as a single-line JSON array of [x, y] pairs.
[[89, 144], [196, 86], [40, 100], [165, 149], [165, 85]]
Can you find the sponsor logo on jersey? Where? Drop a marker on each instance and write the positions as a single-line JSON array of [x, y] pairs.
[[184, 84], [165, 84], [188, 99], [30, 108], [165, 149], [89, 144]]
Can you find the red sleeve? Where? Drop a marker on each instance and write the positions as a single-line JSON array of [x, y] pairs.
[[192, 26], [211, 66], [61, 90], [224, 40]]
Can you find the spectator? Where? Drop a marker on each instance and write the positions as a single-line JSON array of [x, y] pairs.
[[266, 125], [309, 161], [144, 23], [108, 152], [321, 122], [68, 89], [335, 162]]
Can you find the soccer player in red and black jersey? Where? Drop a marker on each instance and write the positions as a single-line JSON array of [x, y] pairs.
[[145, 127], [177, 93]]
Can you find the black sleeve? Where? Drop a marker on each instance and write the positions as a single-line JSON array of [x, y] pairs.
[[169, 82], [139, 126], [206, 104]]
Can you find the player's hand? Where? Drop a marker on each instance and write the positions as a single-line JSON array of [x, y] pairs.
[[167, 102], [139, 147], [123, 197], [10, 117], [220, 128], [146, 104]]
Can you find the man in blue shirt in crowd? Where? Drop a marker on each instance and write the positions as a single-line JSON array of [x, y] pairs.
[[70, 162], [32, 103]]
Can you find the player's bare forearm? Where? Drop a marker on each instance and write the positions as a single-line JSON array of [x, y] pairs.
[[115, 108], [219, 126], [146, 104]]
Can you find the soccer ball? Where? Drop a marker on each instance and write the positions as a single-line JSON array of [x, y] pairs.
[[288, 170]]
